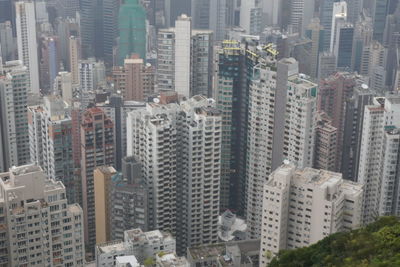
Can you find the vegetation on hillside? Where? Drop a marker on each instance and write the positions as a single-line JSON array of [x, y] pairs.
[[377, 245]]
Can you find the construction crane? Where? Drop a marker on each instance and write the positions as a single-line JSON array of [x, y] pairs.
[[270, 50]]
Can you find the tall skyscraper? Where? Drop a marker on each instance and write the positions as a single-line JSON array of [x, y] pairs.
[[354, 10], [110, 29], [362, 39], [6, 11], [379, 13], [26, 39], [232, 79], [325, 17], [14, 88], [7, 42], [301, 13], [339, 15], [34, 203], [174, 8], [303, 206], [67, 8], [97, 149], [251, 16], [88, 11], [132, 30], [343, 47], [210, 15], [315, 33], [49, 63]]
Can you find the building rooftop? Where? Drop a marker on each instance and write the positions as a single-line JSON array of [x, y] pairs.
[[137, 235], [130, 261], [225, 252], [111, 247], [171, 260]]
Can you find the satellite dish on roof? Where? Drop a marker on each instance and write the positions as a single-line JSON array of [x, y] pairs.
[[364, 86], [156, 100]]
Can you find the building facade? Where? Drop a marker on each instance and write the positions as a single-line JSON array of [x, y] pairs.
[[38, 226], [302, 206]]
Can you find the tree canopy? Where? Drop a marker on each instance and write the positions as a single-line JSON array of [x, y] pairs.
[[376, 245]]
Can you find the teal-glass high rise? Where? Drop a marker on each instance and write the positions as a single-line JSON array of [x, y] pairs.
[[132, 30]]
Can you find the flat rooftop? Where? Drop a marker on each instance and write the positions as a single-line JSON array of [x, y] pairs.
[[112, 246]]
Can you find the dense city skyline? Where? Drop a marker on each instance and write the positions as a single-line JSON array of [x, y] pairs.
[[194, 132]]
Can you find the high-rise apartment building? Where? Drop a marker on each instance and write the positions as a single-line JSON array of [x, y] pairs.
[[301, 107], [325, 144], [97, 149], [378, 153], [302, 206], [333, 93], [354, 118], [39, 227], [183, 176], [50, 142], [26, 40], [132, 30], [49, 63], [102, 186], [277, 100], [183, 30], [63, 86], [117, 110], [128, 199], [135, 80], [199, 166], [14, 133], [184, 59], [91, 74], [74, 57], [326, 65]]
